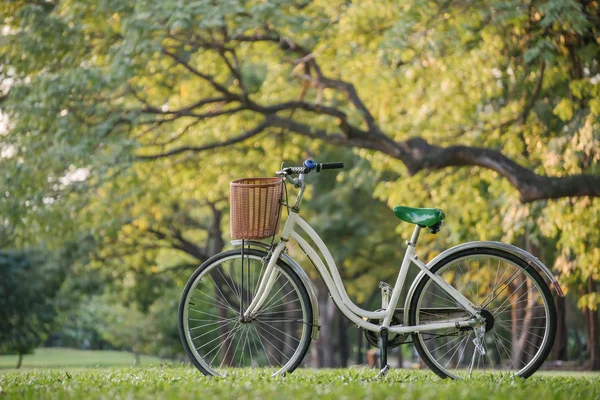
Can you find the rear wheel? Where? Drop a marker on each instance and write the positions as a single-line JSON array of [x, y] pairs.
[[519, 312], [214, 335]]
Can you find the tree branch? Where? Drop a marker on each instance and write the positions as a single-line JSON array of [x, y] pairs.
[[180, 243], [220, 88], [418, 155], [246, 135], [536, 90]]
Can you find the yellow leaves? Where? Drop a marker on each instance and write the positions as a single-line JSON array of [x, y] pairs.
[[127, 230], [564, 110], [156, 213], [183, 91], [589, 301], [141, 223], [595, 106]]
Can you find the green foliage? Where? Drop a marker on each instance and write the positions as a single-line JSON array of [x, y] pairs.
[[107, 319], [96, 86], [29, 284], [162, 329], [184, 383], [358, 230], [121, 326]]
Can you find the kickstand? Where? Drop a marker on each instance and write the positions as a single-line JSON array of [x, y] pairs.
[[383, 347]]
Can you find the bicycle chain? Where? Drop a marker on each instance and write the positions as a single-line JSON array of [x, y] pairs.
[[434, 337]]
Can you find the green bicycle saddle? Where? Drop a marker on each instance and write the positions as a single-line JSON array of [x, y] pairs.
[[420, 216]]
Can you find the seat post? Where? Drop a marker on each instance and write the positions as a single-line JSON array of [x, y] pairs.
[[415, 236]]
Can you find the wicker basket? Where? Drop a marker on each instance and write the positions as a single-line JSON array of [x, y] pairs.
[[255, 205]]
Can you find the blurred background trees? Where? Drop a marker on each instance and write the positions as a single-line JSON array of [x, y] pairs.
[[29, 304], [123, 123]]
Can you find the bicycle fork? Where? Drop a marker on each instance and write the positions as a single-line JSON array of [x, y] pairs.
[[266, 283]]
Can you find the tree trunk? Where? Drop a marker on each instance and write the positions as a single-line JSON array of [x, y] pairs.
[[400, 357], [227, 355], [530, 331], [290, 335], [20, 360], [517, 314], [343, 331], [592, 331], [215, 246], [559, 350], [360, 337], [322, 352]]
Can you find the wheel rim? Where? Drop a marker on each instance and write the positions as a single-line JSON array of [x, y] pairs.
[[520, 326], [216, 336]]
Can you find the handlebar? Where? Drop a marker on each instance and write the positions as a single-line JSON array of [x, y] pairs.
[[309, 166], [330, 165]]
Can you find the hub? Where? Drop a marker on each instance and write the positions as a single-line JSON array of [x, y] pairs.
[[489, 319], [246, 320]]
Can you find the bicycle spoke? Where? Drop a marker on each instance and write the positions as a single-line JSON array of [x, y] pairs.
[[494, 287], [447, 343], [207, 343], [463, 351], [506, 350], [268, 302], [222, 295], [219, 347], [511, 298], [268, 353], [210, 304], [214, 329], [457, 347], [273, 335], [205, 313], [212, 298], [212, 323], [227, 283], [255, 339], [508, 297], [281, 312], [268, 341], [518, 329]]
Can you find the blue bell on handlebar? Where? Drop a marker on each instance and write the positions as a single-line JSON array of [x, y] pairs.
[[310, 164]]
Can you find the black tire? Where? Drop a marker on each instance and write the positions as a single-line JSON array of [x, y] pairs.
[[304, 344], [516, 261]]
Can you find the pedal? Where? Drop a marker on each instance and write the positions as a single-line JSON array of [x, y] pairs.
[[478, 341], [384, 371]]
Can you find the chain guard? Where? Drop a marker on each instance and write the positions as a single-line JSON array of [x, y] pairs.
[[394, 339]]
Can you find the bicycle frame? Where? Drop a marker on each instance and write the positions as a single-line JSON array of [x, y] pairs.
[[333, 281]]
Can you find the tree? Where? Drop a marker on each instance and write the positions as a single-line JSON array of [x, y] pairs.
[[213, 55], [188, 90], [29, 284], [121, 326]]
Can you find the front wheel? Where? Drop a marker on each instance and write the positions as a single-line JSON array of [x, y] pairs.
[[512, 297], [214, 335]]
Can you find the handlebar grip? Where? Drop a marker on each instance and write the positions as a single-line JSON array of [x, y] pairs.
[[330, 165], [297, 170]]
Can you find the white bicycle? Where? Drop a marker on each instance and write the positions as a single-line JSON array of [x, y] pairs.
[[479, 306]]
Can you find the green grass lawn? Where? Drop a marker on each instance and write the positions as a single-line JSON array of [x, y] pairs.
[[169, 382], [76, 374], [59, 357]]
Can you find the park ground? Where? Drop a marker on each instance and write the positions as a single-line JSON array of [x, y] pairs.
[[72, 374]]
